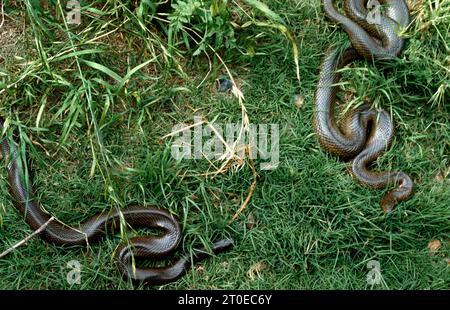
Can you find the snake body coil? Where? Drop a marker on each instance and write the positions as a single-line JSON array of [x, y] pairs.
[[93, 229], [364, 134]]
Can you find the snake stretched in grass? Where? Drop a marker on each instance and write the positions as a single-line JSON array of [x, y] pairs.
[[364, 134], [93, 229]]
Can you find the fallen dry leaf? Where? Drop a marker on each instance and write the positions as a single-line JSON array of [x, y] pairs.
[[251, 221], [298, 100], [255, 270], [200, 269], [434, 246]]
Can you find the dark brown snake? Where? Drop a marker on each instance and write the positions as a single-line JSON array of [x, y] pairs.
[[148, 247], [364, 134]]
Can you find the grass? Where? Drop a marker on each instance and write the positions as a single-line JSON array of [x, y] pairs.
[[92, 127]]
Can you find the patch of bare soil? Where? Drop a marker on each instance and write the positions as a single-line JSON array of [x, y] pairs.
[[11, 34]]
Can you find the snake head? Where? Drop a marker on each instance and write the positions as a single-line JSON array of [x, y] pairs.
[[388, 204]]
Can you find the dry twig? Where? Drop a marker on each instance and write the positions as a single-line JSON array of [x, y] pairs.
[[20, 243], [250, 192]]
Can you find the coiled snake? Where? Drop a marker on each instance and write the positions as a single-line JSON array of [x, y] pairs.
[[364, 134], [93, 229]]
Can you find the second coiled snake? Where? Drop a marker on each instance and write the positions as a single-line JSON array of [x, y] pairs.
[[364, 134], [140, 247]]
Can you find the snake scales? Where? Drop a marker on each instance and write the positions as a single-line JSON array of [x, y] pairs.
[[364, 134], [94, 228]]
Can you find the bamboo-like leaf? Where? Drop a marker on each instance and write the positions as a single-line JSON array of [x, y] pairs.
[[133, 71], [265, 10], [76, 54], [103, 69]]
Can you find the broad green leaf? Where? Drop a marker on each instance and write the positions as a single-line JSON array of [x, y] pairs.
[[103, 69]]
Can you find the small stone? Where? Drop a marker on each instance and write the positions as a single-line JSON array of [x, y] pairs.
[[224, 84]]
